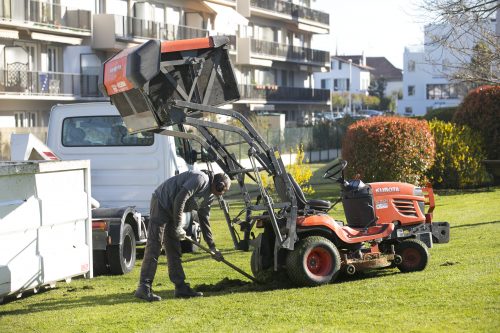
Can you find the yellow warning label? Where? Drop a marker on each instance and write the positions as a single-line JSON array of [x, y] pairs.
[[277, 154]]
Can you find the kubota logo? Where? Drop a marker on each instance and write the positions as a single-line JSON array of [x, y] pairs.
[[387, 189], [115, 68]]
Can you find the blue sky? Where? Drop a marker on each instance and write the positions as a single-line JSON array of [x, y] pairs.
[[377, 27]]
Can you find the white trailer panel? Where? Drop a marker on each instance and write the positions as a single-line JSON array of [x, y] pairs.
[[45, 223]]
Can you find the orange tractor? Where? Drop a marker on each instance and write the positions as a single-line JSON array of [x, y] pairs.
[[168, 87], [388, 225]]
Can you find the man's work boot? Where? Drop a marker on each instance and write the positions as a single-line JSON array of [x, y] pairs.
[[185, 291], [145, 292]]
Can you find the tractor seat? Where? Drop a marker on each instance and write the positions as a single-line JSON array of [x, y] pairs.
[[302, 202]]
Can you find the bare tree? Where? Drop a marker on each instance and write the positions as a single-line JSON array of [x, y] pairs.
[[463, 40]]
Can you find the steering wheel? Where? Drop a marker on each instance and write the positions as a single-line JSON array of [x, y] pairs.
[[335, 170]]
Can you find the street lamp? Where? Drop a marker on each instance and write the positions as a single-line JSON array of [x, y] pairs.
[[350, 84]]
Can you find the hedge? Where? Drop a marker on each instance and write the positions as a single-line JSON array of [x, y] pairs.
[[459, 156], [389, 149], [480, 110], [443, 114]]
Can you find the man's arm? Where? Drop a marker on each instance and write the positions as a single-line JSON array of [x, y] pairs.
[[188, 189], [179, 204], [204, 219]]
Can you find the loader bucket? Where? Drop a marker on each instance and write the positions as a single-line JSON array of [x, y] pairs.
[[155, 74]]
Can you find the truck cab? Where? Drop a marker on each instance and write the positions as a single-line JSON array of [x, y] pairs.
[[125, 170]]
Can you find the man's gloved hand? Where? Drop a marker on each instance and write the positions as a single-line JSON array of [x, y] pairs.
[[180, 233], [216, 254]]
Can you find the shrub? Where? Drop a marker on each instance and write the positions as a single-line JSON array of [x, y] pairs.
[[480, 110], [389, 149], [301, 173], [459, 156], [443, 114]]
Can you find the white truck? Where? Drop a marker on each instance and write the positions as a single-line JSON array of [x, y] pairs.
[[125, 170]]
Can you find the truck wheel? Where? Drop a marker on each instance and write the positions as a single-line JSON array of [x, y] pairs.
[[314, 261], [414, 254], [100, 262], [194, 231], [121, 258]]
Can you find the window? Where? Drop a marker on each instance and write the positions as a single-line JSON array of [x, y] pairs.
[[90, 67], [408, 110], [101, 131], [341, 85], [325, 84], [340, 64], [445, 91], [411, 90], [411, 65], [25, 119], [284, 78]]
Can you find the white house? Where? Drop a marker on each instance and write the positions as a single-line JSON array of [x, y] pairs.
[[354, 73], [345, 74], [426, 70]]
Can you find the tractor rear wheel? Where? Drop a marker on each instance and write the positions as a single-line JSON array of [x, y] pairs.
[[314, 261], [414, 254]]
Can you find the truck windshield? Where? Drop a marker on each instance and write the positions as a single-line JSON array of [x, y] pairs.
[[101, 131]]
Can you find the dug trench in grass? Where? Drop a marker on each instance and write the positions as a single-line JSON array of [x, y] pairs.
[[190, 190]]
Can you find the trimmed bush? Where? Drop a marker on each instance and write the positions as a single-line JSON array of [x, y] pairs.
[[443, 114], [459, 156], [480, 110], [389, 149]]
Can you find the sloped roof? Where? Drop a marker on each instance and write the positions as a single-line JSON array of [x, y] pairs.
[[355, 62], [383, 68], [379, 66]]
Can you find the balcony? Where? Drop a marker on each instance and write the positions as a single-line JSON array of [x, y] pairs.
[[112, 32], [278, 94], [296, 12], [44, 16], [48, 85], [289, 53], [131, 27], [263, 53]]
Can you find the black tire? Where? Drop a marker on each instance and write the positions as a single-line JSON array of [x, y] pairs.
[[314, 261], [263, 275], [100, 262], [414, 254], [194, 231], [121, 258]]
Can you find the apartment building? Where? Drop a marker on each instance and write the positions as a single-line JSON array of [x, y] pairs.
[[428, 67], [44, 59], [51, 50]]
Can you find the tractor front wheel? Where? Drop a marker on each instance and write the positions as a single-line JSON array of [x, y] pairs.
[[414, 254], [314, 261]]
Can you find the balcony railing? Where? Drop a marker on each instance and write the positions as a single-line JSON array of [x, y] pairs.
[[296, 11], [290, 53], [131, 27], [18, 82], [275, 93], [49, 15]]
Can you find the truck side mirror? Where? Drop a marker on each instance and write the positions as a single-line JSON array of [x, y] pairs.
[[193, 156]]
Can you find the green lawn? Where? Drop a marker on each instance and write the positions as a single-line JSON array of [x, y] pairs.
[[458, 292]]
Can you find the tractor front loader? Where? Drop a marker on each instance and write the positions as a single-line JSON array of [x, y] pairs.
[[169, 87]]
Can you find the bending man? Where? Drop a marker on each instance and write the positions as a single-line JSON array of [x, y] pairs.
[[190, 190]]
